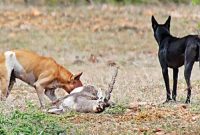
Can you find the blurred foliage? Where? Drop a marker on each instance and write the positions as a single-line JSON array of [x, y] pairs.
[[143, 1], [196, 2], [65, 2], [123, 2]]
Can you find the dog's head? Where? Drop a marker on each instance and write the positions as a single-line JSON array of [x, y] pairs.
[[160, 30], [73, 83]]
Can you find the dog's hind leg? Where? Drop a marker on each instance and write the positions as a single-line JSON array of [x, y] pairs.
[[190, 56], [175, 78], [4, 81], [187, 74], [4, 88], [11, 83]]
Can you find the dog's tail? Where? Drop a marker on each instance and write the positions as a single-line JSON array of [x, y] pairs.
[[198, 42], [199, 53]]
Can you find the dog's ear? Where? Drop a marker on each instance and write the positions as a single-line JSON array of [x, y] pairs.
[[77, 77], [167, 23], [154, 23]]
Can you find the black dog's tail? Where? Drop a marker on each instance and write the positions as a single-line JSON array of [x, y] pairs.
[[199, 49]]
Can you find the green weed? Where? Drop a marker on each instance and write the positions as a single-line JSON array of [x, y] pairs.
[[33, 121], [117, 109]]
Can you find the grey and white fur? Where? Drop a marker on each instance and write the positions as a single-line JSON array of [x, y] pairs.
[[86, 99]]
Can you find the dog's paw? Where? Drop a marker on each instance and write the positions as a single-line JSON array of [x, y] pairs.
[[167, 101], [3, 98], [187, 101], [100, 106], [44, 110], [55, 111]]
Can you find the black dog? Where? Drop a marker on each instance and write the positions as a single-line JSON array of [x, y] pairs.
[[173, 53]]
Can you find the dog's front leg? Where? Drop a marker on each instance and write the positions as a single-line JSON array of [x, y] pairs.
[[162, 55], [40, 93], [175, 78], [43, 81], [166, 79]]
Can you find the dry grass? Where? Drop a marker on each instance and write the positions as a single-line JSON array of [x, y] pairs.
[[112, 34]]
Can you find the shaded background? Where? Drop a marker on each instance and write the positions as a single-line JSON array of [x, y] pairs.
[[92, 36]]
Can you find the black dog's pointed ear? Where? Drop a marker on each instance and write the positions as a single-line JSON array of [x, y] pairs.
[[167, 23], [154, 23]]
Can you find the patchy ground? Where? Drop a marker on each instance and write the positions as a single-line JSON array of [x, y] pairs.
[[90, 39]]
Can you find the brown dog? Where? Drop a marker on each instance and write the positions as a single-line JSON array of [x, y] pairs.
[[43, 73]]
